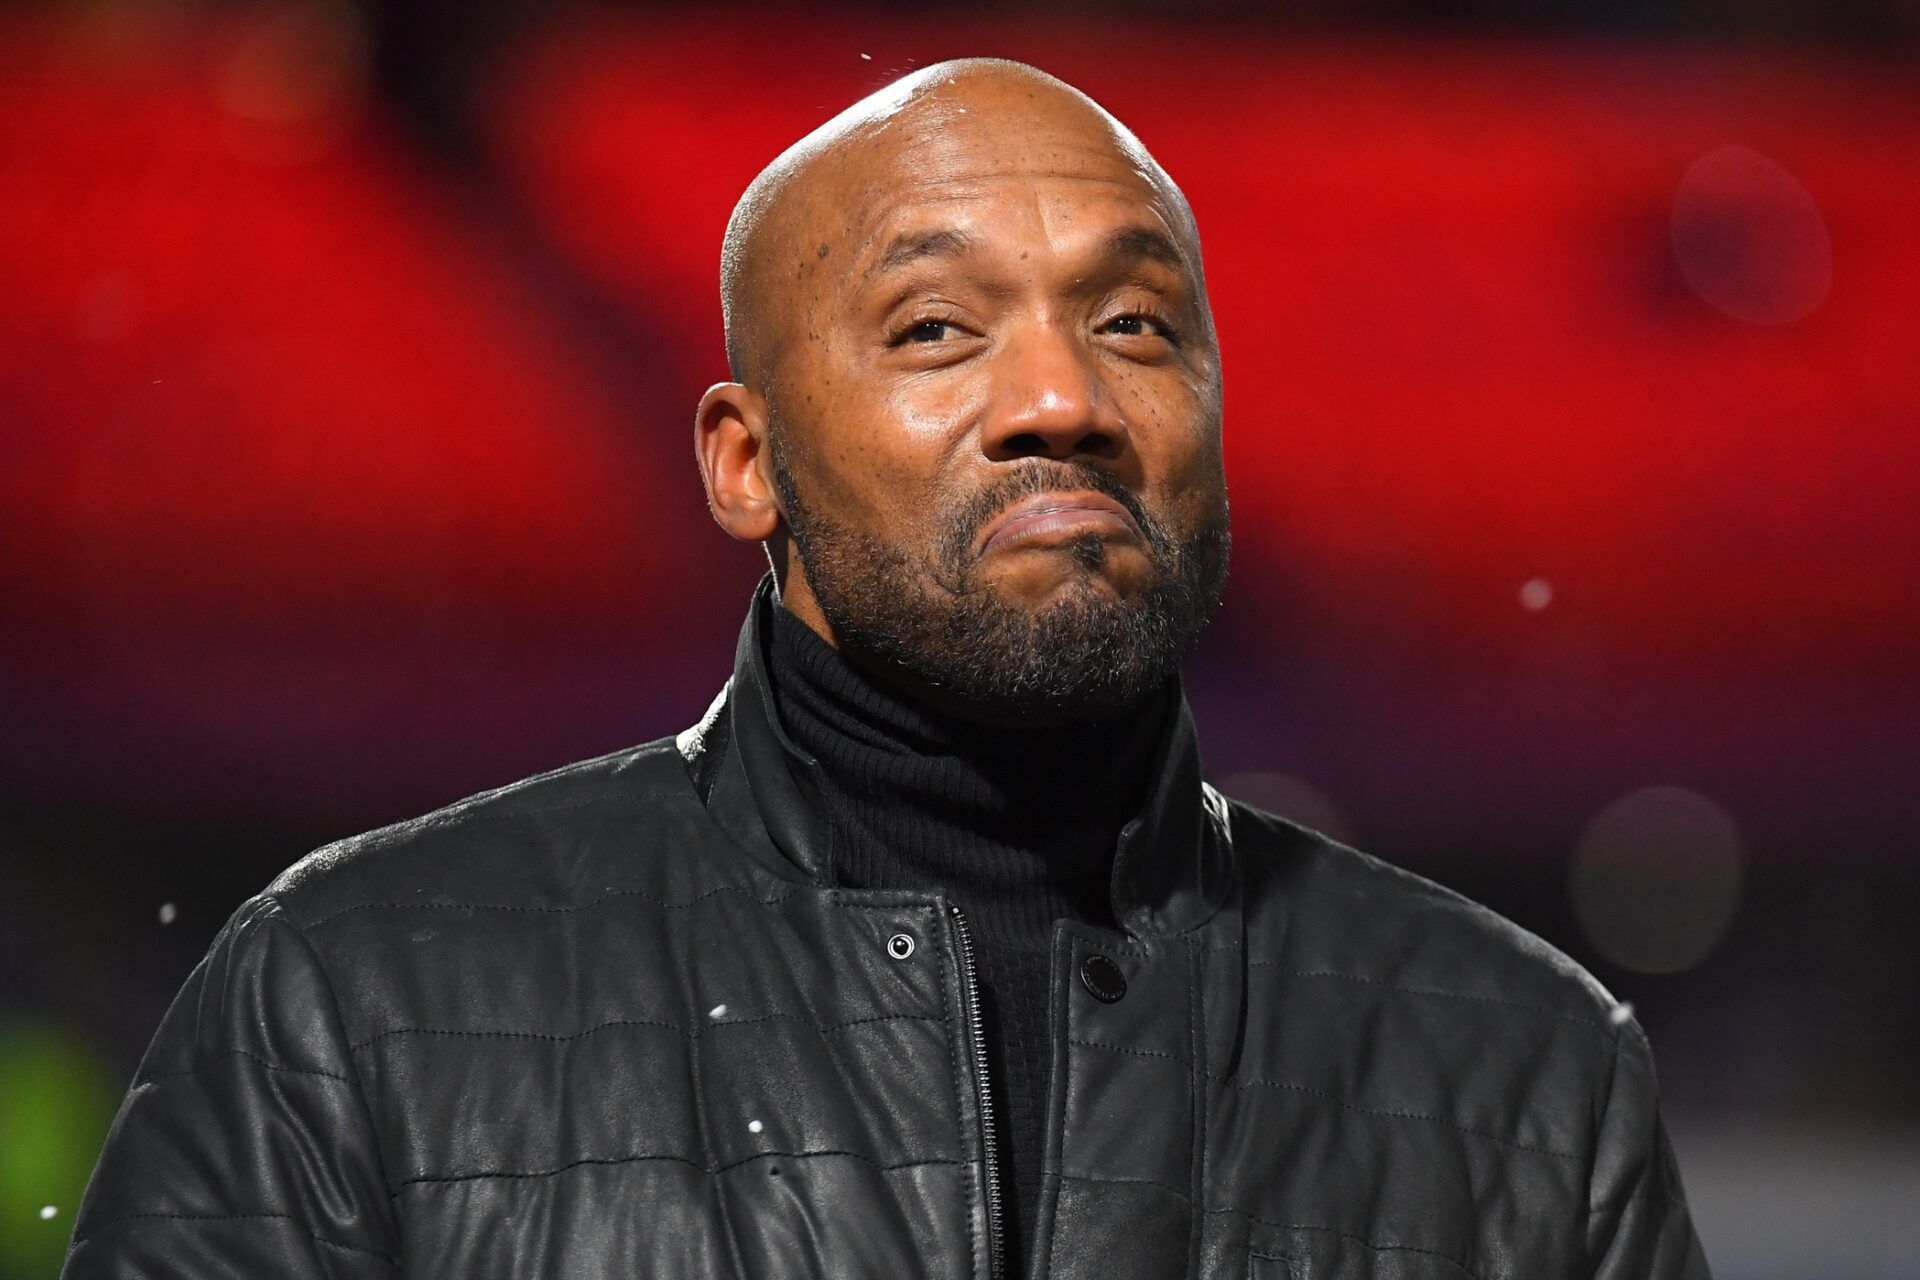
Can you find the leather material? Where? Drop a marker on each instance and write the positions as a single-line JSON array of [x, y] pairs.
[[616, 1020]]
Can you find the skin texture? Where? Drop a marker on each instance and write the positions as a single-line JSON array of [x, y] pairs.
[[972, 289]]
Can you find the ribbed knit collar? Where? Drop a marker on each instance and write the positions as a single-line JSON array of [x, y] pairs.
[[1021, 823]]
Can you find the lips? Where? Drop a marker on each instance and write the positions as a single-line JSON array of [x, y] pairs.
[[1058, 517]]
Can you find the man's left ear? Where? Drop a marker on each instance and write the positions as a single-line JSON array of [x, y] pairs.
[[730, 444]]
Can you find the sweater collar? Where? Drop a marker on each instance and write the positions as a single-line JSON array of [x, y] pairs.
[[1171, 865]]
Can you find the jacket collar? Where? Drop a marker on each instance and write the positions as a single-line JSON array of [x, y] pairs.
[[1171, 868]]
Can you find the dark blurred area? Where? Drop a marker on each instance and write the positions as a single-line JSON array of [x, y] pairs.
[[347, 364]]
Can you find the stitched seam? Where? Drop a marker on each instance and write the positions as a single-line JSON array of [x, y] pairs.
[[567, 909], [359, 1085], [898, 902], [1097, 939], [1244, 1085], [1377, 1246], [1139, 1182], [1384, 985], [1344, 1105], [480, 1175], [578, 768], [1599, 1126], [691, 1033], [387, 1258], [1136, 1053], [869, 1160], [1401, 1115], [462, 809], [243, 1053]]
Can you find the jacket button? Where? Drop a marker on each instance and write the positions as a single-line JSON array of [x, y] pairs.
[[900, 946], [1103, 978]]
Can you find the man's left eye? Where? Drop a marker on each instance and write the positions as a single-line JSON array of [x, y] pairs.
[[1137, 326]]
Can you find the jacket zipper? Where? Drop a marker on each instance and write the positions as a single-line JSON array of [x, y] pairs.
[[976, 1027]]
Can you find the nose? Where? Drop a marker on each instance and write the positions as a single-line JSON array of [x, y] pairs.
[[1051, 401]]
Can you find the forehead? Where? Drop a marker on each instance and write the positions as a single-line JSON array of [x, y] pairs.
[[1055, 182]]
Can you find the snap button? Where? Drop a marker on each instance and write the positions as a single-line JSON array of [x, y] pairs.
[[900, 946], [1103, 978]]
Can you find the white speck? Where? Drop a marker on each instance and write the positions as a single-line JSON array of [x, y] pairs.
[[168, 913], [754, 1126], [718, 1011], [866, 57], [1536, 594], [46, 1212], [1621, 1012]]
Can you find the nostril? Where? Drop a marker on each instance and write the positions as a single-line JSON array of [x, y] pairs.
[[1099, 444], [1024, 445]]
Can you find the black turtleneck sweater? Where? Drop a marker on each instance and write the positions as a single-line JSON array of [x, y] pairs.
[[1015, 827]]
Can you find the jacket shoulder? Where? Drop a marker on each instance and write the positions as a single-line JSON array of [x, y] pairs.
[[1315, 905], [539, 840]]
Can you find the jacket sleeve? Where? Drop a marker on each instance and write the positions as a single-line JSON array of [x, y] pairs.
[[1638, 1225], [244, 1147]]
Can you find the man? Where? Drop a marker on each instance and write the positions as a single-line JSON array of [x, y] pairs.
[[926, 953]]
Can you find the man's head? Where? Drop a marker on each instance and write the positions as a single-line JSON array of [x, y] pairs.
[[976, 404]]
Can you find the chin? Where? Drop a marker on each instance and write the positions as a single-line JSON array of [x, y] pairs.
[[1040, 577]]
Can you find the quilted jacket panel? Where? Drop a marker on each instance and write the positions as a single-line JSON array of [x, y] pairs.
[[617, 1021]]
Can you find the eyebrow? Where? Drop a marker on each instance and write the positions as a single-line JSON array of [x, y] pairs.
[[914, 246], [1133, 244], [1128, 244]]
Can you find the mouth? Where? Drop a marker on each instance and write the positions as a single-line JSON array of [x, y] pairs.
[[1049, 519]]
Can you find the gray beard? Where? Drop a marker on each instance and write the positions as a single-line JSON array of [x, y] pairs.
[[1085, 655]]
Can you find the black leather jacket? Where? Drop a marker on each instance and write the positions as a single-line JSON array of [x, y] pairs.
[[616, 1020]]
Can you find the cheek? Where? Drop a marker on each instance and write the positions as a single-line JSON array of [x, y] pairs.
[[1167, 396], [1176, 427], [884, 444], [921, 415], [1174, 420]]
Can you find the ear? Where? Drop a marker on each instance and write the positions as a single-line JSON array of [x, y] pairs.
[[736, 462]]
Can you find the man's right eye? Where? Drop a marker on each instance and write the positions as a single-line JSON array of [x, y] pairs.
[[927, 331]]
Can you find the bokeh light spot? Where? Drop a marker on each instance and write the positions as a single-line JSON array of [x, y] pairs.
[[1536, 594], [1749, 238], [1656, 877]]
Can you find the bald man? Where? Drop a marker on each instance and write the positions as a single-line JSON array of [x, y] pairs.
[[926, 953]]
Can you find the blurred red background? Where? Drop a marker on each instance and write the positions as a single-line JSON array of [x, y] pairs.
[[347, 366]]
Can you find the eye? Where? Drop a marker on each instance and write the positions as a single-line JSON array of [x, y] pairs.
[[928, 331], [1138, 325]]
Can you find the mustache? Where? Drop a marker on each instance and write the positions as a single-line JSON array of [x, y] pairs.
[[1045, 476]]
